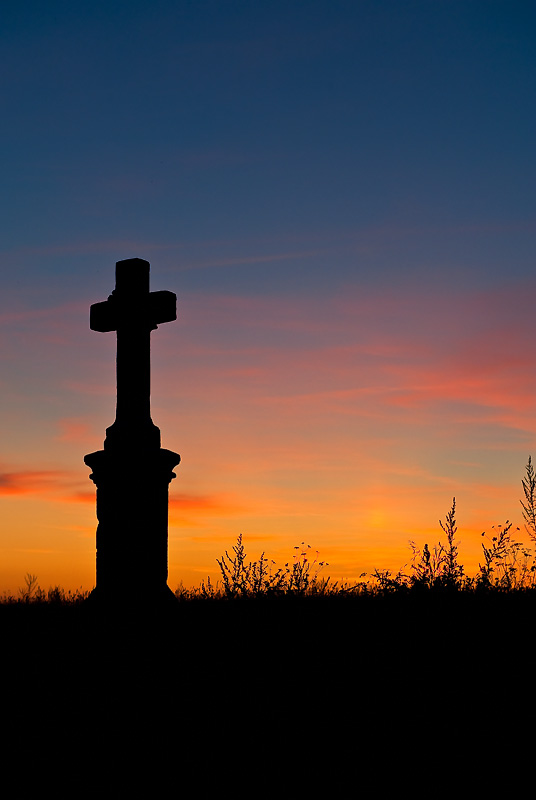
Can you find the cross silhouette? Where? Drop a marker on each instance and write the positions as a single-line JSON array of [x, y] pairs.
[[132, 473], [133, 312]]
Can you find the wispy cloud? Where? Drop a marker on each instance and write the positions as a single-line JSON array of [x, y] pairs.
[[52, 317], [268, 258], [83, 247], [80, 497], [412, 352], [73, 429], [27, 482], [212, 504], [58, 486]]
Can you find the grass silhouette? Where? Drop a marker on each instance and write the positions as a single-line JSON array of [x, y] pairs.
[[508, 565]]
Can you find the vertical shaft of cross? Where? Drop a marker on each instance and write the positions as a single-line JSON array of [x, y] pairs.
[[133, 366], [133, 378]]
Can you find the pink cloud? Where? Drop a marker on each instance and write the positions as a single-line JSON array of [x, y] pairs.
[[412, 351], [53, 485], [81, 497], [74, 430], [211, 504], [30, 481]]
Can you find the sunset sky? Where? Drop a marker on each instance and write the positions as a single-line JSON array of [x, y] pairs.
[[341, 194]]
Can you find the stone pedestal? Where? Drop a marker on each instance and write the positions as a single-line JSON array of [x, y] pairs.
[[132, 512]]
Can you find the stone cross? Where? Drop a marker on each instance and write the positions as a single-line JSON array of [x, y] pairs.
[[133, 472], [133, 312]]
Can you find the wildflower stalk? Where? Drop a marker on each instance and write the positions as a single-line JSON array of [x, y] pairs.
[[529, 507]]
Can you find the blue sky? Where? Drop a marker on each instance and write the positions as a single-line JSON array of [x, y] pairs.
[[238, 129]]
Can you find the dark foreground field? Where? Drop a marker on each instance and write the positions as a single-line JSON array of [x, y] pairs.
[[312, 690]]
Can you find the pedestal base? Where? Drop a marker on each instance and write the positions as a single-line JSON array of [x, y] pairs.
[[127, 602], [132, 512]]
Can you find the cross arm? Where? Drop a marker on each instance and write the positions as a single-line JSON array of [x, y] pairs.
[[159, 307], [162, 307], [103, 317]]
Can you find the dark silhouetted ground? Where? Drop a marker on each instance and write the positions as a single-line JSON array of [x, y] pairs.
[[226, 690]]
